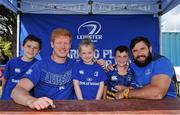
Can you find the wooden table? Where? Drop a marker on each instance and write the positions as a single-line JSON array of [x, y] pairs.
[[126, 106]]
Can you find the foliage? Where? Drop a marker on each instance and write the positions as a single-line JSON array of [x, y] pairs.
[[6, 46], [8, 30]]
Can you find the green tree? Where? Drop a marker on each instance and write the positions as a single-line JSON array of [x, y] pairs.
[[6, 46], [8, 30]]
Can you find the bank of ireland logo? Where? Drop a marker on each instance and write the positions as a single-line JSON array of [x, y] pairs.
[[90, 29]]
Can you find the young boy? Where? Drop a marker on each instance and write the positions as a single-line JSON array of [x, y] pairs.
[[88, 77], [17, 67], [122, 74]]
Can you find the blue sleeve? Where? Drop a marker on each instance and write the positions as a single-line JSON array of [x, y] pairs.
[[103, 76], [6, 71], [163, 66], [108, 74], [34, 73], [75, 72]]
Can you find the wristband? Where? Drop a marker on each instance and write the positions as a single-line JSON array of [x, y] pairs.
[[126, 93]]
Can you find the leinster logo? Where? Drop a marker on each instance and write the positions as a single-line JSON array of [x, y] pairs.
[[147, 72], [96, 73], [90, 29], [29, 71], [93, 27]]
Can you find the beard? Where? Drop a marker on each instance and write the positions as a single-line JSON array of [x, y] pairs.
[[147, 60]]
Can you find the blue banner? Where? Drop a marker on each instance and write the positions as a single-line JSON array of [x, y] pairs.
[[105, 31]]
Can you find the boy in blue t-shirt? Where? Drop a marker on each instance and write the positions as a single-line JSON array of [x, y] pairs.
[[88, 77], [17, 67], [122, 75]]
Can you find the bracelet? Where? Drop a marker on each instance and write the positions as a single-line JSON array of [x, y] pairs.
[[126, 93]]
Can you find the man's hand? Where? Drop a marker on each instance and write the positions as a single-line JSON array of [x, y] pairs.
[[110, 67], [101, 62], [122, 87], [40, 103]]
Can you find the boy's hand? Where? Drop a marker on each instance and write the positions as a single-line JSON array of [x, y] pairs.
[[120, 87], [119, 95]]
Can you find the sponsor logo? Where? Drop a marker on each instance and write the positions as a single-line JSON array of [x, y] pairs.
[[89, 83], [29, 71], [128, 78], [81, 72], [14, 81], [17, 70], [113, 78], [61, 88], [90, 29]]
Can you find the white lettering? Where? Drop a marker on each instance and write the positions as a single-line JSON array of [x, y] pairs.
[[97, 54], [108, 62], [93, 38], [89, 83], [107, 53], [73, 54], [14, 81]]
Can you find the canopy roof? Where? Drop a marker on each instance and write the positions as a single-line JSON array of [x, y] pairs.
[[91, 6]]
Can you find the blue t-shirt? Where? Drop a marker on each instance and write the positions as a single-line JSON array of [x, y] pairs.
[[115, 79], [52, 79], [13, 72], [89, 77], [159, 65]]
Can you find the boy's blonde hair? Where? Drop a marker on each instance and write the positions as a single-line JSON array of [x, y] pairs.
[[60, 32]]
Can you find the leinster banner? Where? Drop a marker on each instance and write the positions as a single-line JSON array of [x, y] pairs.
[[105, 31]]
